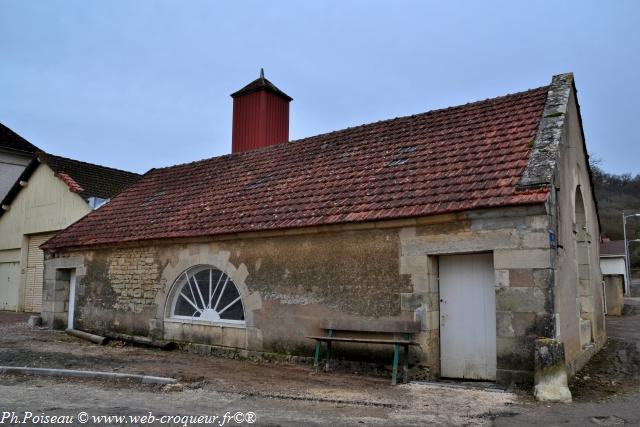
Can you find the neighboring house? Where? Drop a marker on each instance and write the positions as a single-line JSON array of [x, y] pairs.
[[612, 260], [479, 221], [15, 154], [614, 274], [51, 193]]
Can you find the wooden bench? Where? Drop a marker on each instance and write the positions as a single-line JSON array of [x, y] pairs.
[[347, 331]]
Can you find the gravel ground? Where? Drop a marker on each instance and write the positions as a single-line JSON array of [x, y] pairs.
[[422, 405], [606, 392], [279, 394]]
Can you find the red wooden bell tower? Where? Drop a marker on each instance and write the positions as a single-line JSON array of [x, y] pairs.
[[260, 116]]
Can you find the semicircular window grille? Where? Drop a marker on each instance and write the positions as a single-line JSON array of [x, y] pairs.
[[206, 293]]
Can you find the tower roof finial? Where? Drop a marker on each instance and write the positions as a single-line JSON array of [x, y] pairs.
[[261, 73]]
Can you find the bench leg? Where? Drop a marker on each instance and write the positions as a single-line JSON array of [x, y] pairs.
[[316, 359], [326, 365], [405, 365], [394, 374]]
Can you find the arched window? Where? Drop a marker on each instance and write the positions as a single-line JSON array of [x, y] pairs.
[[206, 293]]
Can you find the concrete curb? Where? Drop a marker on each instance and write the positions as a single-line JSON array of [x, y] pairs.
[[307, 398], [461, 386], [46, 372]]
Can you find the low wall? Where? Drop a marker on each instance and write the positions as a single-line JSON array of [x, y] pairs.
[[614, 293]]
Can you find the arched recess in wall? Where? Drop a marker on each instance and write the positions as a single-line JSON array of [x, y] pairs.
[[584, 298], [204, 293]]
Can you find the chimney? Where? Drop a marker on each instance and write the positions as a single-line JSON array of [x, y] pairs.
[[260, 116]]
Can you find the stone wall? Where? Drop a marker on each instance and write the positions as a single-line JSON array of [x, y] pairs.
[[614, 288], [55, 292], [133, 274], [578, 285], [519, 240], [288, 285], [289, 282]]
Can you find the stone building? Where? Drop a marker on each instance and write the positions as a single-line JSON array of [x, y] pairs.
[[614, 274], [478, 221]]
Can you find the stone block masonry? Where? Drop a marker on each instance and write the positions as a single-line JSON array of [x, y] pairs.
[[289, 283], [519, 241], [134, 276]]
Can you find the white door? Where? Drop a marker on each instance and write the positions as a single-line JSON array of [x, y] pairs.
[[72, 299], [467, 317], [9, 285], [35, 273]]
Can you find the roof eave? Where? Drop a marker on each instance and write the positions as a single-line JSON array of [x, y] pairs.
[[17, 187], [18, 151], [546, 145], [545, 153], [277, 231]]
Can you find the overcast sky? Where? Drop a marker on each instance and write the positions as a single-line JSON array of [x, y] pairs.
[[142, 84]]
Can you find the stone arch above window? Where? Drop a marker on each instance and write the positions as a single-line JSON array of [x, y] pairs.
[[207, 294], [585, 300]]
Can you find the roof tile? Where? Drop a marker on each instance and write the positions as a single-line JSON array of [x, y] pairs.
[[12, 141], [87, 179], [458, 158]]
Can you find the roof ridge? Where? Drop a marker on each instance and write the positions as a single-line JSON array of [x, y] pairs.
[[361, 174], [424, 113], [86, 163], [31, 147], [349, 128]]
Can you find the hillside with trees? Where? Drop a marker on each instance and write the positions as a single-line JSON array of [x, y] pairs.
[[615, 193]]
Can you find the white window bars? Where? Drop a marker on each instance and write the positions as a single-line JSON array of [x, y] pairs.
[[207, 294]]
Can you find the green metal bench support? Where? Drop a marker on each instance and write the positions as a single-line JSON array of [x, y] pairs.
[[397, 343], [316, 359], [326, 365], [394, 374], [405, 365]]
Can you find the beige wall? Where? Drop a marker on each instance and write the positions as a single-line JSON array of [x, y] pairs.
[[614, 265], [43, 206], [570, 294]]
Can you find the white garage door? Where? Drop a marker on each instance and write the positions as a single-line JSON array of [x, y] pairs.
[[9, 285], [467, 317], [35, 273]]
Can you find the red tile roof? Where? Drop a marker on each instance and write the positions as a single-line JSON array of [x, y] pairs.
[[88, 179], [85, 179], [73, 186], [455, 159], [612, 248]]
